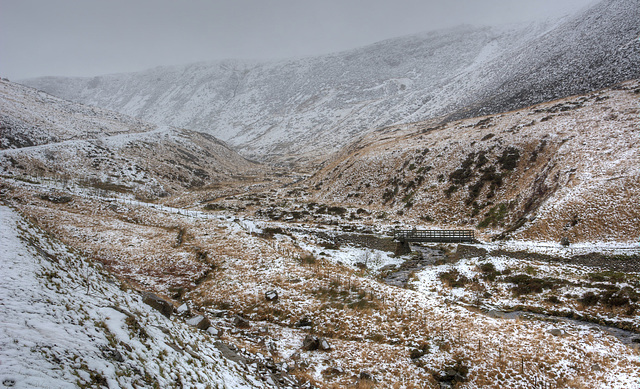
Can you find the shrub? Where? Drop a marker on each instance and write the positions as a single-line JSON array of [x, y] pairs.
[[494, 216], [453, 279], [525, 284], [589, 299], [509, 159]]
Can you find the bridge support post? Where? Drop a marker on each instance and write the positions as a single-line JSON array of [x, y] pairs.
[[402, 248]]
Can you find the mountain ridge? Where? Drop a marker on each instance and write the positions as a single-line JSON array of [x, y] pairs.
[[303, 109]]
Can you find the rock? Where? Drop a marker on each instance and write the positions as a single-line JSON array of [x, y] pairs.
[[112, 354], [323, 344], [332, 371], [164, 330], [155, 302], [365, 375], [310, 343], [387, 268], [241, 322], [229, 353], [556, 332], [271, 295], [496, 314], [283, 367], [214, 331], [596, 367], [217, 313], [183, 309], [200, 322], [304, 322], [565, 241]]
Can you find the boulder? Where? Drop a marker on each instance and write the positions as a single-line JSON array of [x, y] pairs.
[[310, 343], [365, 375], [323, 344], [183, 309], [271, 295], [155, 302], [200, 322], [556, 332], [241, 322]]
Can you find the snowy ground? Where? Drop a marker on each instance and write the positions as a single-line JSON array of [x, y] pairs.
[[65, 323], [227, 264]]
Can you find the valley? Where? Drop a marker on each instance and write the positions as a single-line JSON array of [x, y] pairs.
[[237, 230], [449, 324]]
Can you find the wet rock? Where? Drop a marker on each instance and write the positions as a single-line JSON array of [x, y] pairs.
[[271, 295], [155, 302]]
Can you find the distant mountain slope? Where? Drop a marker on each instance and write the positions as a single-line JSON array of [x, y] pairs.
[[45, 136], [567, 168], [298, 109], [29, 117]]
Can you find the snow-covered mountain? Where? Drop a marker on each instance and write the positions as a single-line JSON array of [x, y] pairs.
[[302, 108], [42, 135]]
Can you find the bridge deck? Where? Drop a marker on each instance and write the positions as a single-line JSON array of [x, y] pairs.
[[444, 236]]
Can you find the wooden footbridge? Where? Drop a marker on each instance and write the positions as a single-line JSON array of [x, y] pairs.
[[442, 236]]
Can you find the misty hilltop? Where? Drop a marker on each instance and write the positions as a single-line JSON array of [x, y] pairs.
[[296, 110], [42, 135]]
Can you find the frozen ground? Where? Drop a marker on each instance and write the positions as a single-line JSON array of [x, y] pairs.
[[66, 323]]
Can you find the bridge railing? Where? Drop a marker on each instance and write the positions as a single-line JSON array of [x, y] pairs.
[[434, 235]]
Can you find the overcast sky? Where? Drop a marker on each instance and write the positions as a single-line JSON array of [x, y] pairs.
[[93, 37]]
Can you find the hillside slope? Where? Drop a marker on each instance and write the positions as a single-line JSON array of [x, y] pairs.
[[66, 323], [45, 136], [298, 109], [567, 168]]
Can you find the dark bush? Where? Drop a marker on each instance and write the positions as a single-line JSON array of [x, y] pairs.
[[525, 284], [588, 299], [509, 158], [453, 279]]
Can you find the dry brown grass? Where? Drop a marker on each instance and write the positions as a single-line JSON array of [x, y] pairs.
[[363, 338]]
